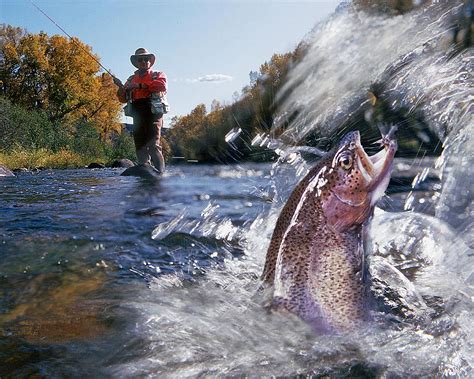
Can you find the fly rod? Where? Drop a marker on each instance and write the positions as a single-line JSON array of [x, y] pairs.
[[66, 33]]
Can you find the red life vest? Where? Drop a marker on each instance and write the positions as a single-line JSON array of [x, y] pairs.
[[151, 82]]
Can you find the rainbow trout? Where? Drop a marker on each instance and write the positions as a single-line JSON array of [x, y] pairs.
[[315, 261]]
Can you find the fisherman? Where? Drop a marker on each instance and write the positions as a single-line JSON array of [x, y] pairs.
[[145, 93]]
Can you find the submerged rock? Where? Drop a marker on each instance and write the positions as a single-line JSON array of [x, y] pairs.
[[125, 163], [145, 171], [96, 165], [21, 169], [4, 171]]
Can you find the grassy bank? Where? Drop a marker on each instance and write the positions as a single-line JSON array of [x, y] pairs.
[[45, 158], [30, 139]]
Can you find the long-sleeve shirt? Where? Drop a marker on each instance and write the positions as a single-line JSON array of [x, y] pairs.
[[141, 87]]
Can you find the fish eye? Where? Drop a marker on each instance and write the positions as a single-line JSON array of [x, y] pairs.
[[345, 162]]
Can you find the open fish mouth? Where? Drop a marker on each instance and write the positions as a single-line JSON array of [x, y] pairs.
[[376, 168]]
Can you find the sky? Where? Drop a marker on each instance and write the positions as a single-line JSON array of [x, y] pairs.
[[207, 48]]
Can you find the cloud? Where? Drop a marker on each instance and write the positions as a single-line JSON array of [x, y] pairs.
[[215, 78], [209, 78]]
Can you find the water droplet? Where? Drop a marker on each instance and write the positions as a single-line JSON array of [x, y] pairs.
[[232, 135]]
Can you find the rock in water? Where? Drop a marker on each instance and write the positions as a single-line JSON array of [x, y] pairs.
[[5, 171], [145, 171], [315, 262], [124, 163], [96, 165]]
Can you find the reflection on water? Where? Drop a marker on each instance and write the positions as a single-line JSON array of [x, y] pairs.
[[70, 264], [56, 310]]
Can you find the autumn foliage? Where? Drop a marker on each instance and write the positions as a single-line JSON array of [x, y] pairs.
[[56, 74]]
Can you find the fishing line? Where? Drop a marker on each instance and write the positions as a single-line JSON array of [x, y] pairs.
[[74, 41]]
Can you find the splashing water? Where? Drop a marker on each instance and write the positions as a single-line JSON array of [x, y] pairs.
[[422, 265], [353, 50]]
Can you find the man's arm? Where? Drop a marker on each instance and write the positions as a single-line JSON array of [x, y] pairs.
[[121, 94], [159, 83], [123, 88]]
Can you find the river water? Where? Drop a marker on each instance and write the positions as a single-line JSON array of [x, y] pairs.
[[115, 276]]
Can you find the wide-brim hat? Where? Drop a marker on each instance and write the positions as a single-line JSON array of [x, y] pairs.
[[142, 52]]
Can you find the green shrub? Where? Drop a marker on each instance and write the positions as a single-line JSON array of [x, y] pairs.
[[86, 141], [29, 138], [24, 128], [121, 146]]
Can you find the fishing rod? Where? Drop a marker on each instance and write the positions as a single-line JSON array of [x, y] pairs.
[[74, 41]]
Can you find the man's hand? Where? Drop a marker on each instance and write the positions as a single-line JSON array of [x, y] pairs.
[[137, 85], [117, 81]]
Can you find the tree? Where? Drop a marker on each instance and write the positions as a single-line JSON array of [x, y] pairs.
[[253, 75], [59, 76], [388, 6], [8, 34], [201, 135], [235, 96], [215, 105]]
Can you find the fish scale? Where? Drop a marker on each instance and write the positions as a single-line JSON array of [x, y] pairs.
[[336, 279]]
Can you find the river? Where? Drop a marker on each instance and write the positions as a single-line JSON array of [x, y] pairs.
[[106, 275]]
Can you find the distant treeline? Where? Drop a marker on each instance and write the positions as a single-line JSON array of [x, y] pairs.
[[200, 135]]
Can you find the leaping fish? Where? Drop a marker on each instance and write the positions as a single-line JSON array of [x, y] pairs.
[[315, 261]]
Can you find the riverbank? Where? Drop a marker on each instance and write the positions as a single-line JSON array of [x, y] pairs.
[[30, 140], [32, 159]]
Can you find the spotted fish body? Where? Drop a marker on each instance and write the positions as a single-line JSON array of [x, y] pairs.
[[315, 261]]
